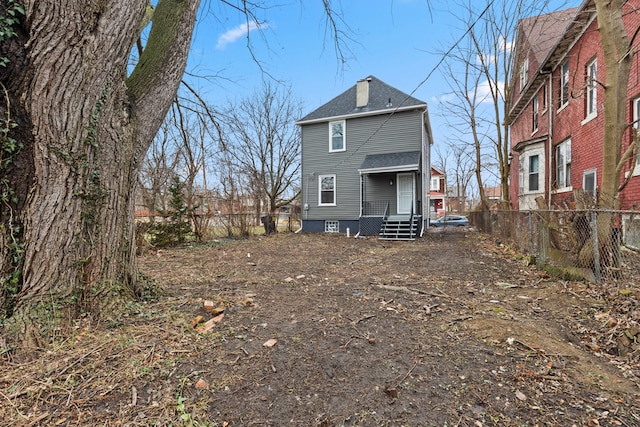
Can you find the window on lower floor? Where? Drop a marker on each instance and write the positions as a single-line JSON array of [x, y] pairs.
[[563, 164], [636, 128], [331, 226], [327, 190], [589, 182], [534, 173]]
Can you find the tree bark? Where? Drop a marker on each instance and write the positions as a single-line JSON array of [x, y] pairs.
[[89, 127]]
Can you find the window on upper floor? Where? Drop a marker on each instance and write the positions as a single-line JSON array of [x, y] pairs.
[[564, 84], [327, 190], [535, 106], [435, 183], [636, 128], [563, 165], [534, 173], [589, 182], [591, 95], [524, 74], [337, 140]]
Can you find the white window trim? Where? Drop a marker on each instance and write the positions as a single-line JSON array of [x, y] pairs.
[[595, 179], [536, 115], [528, 178], [591, 89], [320, 190], [344, 136], [564, 80], [636, 123], [434, 180], [331, 226], [564, 187], [524, 74]]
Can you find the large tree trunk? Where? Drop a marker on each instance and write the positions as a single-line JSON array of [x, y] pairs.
[[88, 129]]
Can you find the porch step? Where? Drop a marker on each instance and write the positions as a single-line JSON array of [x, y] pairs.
[[400, 227]]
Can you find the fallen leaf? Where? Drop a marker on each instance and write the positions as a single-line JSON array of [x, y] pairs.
[[520, 395], [217, 310], [391, 392], [218, 318], [196, 321], [247, 302], [202, 385], [270, 343]]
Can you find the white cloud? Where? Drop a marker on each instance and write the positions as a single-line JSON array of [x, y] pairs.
[[235, 33], [483, 91], [443, 99]]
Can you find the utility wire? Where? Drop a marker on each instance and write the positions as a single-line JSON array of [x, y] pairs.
[[433, 70]]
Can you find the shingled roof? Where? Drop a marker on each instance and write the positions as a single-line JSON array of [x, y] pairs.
[[382, 98]]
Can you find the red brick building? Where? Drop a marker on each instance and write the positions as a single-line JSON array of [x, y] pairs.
[[557, 112], [437, 193]]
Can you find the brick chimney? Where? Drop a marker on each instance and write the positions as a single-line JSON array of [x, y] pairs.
[[362, 92]]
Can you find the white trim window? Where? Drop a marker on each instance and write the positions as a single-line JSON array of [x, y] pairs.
[[636, 126], [564, 84], [589, 182], [521, 175], [563, 165], [534, 173], [435, 183], [327, 190], [535, 107], [337, 140], [591, 98], [524, 74]]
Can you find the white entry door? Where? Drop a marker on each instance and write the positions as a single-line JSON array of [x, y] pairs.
[[406, 192]]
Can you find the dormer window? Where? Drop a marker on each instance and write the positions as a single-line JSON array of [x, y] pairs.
[[524, 74]]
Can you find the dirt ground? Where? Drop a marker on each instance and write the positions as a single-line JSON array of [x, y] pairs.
[[453, 329]]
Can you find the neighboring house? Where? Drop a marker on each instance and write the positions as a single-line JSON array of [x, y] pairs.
[[437, 194], [456, 202], [365, 163], [494, 196], [556, 115]]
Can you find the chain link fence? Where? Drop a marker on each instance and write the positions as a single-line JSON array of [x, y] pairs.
[[598, 245]]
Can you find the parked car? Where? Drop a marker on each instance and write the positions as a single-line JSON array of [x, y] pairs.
[[451, 221]]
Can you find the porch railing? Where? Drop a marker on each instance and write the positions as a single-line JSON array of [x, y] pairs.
[[375, 208]]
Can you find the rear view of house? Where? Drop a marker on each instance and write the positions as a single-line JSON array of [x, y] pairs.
[[365, 163]]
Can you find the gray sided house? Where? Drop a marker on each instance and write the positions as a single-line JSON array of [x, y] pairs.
[[366, 164]]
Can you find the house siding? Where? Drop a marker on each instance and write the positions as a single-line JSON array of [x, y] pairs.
[[377, 134]]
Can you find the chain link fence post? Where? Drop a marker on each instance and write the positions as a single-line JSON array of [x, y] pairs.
[[596, 247]]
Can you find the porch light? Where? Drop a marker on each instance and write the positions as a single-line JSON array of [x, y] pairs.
[[391, 182]]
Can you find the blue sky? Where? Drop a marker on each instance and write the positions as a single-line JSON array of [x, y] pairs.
[[398, 41]]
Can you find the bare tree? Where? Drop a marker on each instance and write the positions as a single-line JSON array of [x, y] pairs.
[[482, 91], [80, 133], [263, 144]]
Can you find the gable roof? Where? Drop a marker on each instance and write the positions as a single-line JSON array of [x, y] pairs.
[[382, 99], [537, 38]]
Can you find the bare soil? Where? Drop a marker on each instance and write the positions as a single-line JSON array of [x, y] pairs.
[[453, 329]]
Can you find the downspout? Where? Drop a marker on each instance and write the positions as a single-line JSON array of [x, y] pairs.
[[305, 203], [550, 156]]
